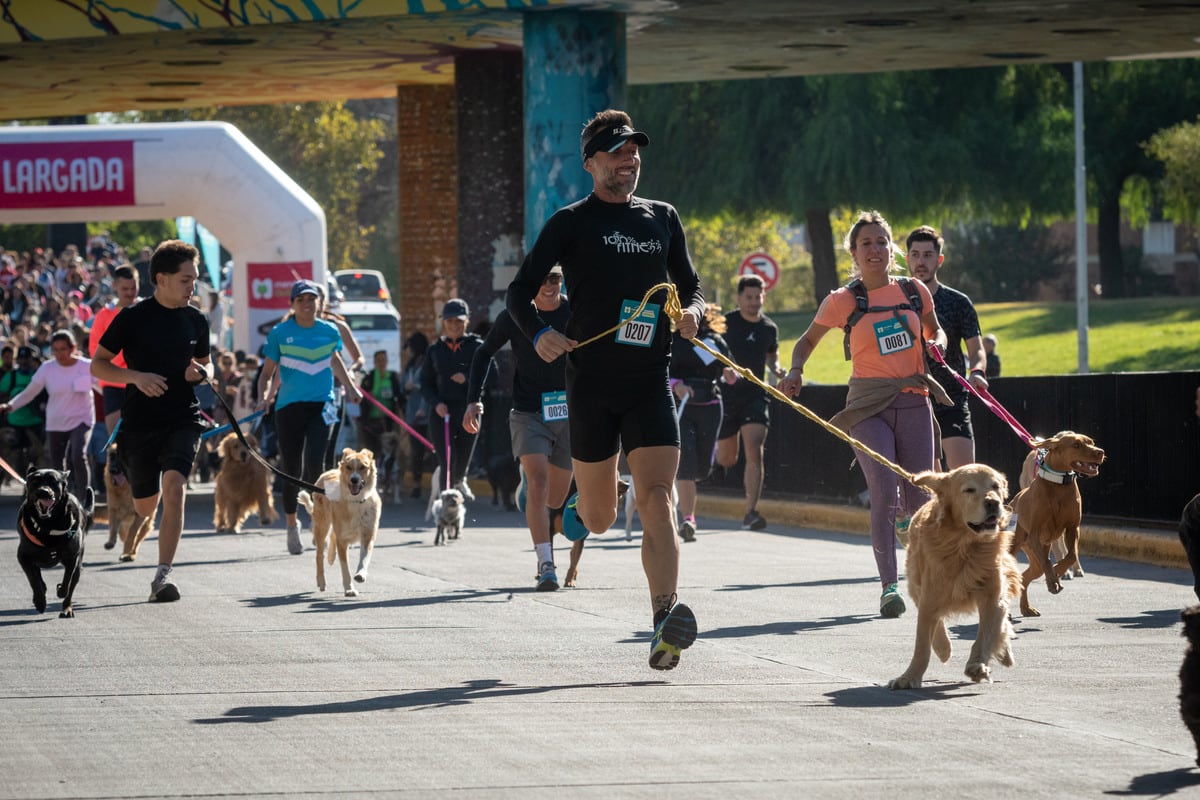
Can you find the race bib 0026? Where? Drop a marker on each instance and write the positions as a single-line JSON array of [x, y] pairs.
[[640, 331], [554, 406]]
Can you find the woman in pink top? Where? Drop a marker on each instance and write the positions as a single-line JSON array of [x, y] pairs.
[[70, 412], [887, 405]]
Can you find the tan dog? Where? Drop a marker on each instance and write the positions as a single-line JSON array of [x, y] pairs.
[[242, 486], [959, 563], [1051, 508], [123, 522], [349, 510], [1058, 549]]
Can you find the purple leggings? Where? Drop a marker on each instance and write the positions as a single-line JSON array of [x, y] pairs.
[[903, 434]]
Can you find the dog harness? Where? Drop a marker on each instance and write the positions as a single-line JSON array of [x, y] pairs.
[[31, 537], [1050, 473]]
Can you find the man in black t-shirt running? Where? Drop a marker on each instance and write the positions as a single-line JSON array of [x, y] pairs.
[[165, 343], [753, 340], [613, 247], [956, 315]]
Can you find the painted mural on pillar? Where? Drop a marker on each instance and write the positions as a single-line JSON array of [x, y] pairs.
[[574, 67]]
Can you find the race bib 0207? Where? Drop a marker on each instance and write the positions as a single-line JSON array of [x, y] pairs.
[[891, 336], [554, 406], [640, 331]]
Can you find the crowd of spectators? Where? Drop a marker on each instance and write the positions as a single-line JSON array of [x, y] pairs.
[[43, 291]]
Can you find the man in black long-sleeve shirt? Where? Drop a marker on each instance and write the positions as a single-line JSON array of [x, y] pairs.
[[613, 247], [444, 386]]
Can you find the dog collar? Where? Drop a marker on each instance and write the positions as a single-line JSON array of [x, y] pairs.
[[1050, 473]]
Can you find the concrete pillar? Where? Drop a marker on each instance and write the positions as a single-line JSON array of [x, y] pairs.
[[574, 67], [428, 200], [491, 177]]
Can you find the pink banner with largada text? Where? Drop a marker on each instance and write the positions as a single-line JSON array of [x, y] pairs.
[[66, 174]]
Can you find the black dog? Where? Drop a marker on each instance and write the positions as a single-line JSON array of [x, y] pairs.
[[52, 524], [1189, 676], [1189, 535]]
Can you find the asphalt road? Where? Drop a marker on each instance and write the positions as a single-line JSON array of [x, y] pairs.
[[448, 676]]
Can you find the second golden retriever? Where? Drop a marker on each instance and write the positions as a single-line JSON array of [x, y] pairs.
[[1051, 508], [243, 485], [958, 562], [124, 525], [346, 513]]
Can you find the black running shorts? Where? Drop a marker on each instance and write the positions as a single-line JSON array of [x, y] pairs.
[[628, 412]]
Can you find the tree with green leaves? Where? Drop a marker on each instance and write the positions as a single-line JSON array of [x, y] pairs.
[[328, 150], [933, 144], [1125, 104]]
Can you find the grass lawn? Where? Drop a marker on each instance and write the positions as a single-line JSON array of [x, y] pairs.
[[1149, 334]]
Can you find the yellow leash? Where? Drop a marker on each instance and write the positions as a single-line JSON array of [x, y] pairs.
[[675, 311]]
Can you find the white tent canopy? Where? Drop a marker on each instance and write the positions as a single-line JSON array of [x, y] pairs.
[[208, 170]]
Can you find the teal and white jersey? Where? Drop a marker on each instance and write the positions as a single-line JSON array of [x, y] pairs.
[[303, 356]]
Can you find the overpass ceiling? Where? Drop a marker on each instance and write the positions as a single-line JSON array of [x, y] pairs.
[[62, 59]]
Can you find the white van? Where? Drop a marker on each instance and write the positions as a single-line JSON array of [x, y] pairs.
[[376, 326], [362, 285]]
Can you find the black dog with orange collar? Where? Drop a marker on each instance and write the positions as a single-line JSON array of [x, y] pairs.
[[52, 524]]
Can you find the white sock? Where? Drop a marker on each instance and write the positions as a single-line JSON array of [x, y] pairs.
[[544, 552], [163, 570]]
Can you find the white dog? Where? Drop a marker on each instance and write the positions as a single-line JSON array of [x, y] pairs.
[[450, 511], [448, 507]]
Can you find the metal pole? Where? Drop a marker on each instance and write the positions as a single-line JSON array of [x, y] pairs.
[[1081, 254]]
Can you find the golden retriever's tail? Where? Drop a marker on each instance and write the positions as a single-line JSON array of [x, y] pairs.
[[305, 499]]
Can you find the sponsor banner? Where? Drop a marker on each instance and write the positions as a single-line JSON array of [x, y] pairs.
[[66, 174], [270, 284]]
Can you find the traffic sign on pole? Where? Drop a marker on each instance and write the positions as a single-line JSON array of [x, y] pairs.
[[763, 266]]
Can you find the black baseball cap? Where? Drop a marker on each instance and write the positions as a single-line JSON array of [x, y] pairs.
[[610, 140], [305, 287], [456, 309]]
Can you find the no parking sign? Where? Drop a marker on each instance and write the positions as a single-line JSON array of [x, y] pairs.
[[763, 266]]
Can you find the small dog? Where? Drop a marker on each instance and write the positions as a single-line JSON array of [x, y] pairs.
[[1051, 507], [958, 562], [122, 518], [504, 476], [53, 524], [243, 484], [1189, 676], [346, 513], [450, 512]]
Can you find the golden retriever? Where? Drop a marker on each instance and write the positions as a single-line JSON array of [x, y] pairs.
[[123, 521], [1051, 508], [242, 485], [959, 562], [349, 510]]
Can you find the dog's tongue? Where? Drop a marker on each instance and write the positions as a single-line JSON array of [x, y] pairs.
[[355, 488], [45, 504]]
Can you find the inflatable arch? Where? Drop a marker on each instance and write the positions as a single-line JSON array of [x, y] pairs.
[[209, 170]]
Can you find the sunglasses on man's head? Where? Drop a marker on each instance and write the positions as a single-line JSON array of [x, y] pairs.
[[552, 279]]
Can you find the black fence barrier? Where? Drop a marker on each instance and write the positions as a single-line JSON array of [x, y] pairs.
[[1146, 423]]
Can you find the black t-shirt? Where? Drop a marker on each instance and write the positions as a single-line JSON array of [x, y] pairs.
[[611, 254], [752, 345], [956, 315], [163, 341], [533, 375]]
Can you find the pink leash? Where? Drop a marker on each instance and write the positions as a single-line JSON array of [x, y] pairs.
[[986, 398], [399, 421], [446, 419]]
